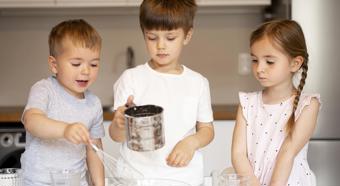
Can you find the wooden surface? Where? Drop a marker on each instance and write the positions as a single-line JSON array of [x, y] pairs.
[[221, 112]]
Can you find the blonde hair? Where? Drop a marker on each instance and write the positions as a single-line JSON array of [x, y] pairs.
[[288, 35], [78, 31]]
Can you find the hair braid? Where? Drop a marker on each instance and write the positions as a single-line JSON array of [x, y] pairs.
[[291, 120]]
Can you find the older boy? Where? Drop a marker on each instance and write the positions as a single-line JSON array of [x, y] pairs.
[[184, 94]]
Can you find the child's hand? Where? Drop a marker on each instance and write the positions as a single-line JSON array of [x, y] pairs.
[[182, 153], [77, 133], [119, 118]]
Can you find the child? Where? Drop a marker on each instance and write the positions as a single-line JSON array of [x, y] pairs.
[[61, 116], [273, 126], [184, 95]]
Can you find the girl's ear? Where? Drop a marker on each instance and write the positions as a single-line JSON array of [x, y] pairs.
[[52, 63], [188, 36], [296, 63]]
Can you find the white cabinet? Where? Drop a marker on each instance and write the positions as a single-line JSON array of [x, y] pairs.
[[217, 155], [233, 2], [117, 3], [26, 3], [109, 146], [90, 3], [66, 3]]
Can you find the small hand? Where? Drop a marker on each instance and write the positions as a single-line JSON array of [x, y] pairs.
[[77, 133], [182, 153], [119, 118]]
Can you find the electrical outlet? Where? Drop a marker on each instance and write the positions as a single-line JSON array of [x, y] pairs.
[[244, 63]]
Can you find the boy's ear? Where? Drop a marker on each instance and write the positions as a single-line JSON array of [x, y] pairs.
[[296, 63], [52, 63], [188, 36]]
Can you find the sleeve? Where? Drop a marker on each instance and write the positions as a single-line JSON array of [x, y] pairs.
[[305, 100], [244, 100], [122, 89], [38, 97], [205, 113], [97, 128]]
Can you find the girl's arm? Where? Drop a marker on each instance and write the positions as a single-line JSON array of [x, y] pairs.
[[292, 145], [94, 164], [239, 149], [185, 149]]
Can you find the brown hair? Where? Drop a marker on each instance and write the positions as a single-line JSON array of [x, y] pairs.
[[78, 31], [167, 14], [288, 36]]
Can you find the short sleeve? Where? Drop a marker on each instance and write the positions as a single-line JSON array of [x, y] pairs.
[[244, 102], [38, 97], [122, 89], [305, 100], [204, 108], [97, 128]]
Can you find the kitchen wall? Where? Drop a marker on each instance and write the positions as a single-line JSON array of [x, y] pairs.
[[213, 51]]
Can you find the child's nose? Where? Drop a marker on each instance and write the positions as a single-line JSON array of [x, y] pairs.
[[85, 69], [260, 67], [160, 44]]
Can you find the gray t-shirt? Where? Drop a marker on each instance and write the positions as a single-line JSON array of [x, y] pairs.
[[42, 156]]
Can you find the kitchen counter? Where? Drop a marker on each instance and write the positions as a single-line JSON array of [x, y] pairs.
[[221, 112]]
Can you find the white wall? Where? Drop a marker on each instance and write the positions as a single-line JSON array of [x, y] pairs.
[[213, 51]]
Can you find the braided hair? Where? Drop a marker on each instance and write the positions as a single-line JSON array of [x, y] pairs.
[[288, 35]]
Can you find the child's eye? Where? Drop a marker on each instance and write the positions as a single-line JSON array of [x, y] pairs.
[[152, 38], [75, 64], [270, 62], [171, 38], [94, 65], [254, 60]]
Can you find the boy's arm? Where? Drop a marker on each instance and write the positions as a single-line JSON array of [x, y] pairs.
[[38, 124], [203, 136], [185, 149], [239, 149], [302, 132], [94, 164], [117, 127]]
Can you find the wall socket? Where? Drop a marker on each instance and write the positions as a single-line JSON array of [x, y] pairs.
[[244, 63]]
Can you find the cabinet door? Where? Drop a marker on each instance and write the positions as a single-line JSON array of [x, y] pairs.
[[134, 2], [91, 3], [109, 146], [217, 155], [233, 2], [26, 3]]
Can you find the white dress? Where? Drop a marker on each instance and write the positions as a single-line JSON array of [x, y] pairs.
[[265, 135]]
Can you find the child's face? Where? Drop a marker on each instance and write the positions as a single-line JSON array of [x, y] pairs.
[[271, 66], [165, 46], [76, 68]]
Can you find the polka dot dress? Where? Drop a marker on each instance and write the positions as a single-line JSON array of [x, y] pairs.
[[265, 135]]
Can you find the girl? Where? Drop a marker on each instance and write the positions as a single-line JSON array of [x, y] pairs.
[[273, 126]]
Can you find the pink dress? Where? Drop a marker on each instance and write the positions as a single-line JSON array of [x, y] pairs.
[[265, 135]]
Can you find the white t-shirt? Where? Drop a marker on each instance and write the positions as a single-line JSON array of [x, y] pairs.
[[185, 99]]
